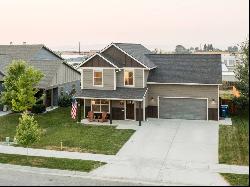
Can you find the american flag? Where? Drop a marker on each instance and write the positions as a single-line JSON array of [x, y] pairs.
[[74, 109]]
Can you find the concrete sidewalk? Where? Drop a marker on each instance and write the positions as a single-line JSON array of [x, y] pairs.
[[57, 154]]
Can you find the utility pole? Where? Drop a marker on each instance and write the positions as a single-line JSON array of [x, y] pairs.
[[79, 47]]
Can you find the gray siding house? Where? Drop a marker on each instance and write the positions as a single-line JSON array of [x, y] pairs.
[[58, 75], [131, 83]]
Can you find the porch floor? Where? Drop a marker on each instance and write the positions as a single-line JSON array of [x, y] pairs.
[[120, 124]]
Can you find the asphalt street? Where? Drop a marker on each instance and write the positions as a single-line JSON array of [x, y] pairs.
[[11, 177]]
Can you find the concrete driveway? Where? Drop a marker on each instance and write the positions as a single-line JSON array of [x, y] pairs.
[[172, 151]]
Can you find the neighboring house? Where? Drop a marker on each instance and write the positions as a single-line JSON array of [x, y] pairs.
[[131, 83], [230, 60], [58, 75]]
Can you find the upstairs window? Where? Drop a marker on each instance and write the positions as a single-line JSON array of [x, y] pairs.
[[129, 77], [97, 78]]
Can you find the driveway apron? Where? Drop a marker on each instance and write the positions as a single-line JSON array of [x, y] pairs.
[[161, 150]]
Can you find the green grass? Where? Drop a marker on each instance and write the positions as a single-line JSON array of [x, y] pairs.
[[58, 126], [52, 163], [236, 179], [234, 141]]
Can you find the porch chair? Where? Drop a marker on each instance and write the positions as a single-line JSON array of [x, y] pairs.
[[103, 117], [91, 116]]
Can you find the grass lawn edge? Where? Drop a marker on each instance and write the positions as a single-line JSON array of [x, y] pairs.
[[236, 179], [50, 162]]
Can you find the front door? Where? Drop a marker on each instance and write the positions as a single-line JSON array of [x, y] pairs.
[[130, 110]]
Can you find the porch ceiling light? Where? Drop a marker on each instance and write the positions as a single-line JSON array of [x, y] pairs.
[[93, 102]]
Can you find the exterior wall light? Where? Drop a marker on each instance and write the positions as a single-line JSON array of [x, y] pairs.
[[213, 102]]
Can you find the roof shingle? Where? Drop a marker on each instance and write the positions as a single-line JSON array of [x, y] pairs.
[[119, 93], [186, 68]]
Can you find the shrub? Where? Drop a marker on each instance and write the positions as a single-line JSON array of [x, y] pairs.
[[27, 131], [64, 100], [38, 108], [242, 103]]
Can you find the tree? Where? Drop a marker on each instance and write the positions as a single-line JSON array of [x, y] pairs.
[[242, 72], [205, 47], [179, 49], [27, 131], [20, 86]]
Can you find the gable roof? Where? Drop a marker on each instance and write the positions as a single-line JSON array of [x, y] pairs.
[[186, 68], [135, 51], [100, 55], [8, 53]]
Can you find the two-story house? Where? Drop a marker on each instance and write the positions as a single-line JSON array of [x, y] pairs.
[[58, 75], [131, 83]]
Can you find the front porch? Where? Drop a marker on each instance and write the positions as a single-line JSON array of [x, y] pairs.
[[117, 110], [120, 104]]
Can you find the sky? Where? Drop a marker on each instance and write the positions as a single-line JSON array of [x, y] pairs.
[[162, 24]]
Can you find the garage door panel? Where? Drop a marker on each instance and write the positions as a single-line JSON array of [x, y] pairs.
[[183, 108]]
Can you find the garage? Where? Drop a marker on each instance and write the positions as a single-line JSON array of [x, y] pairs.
[[183, 108]]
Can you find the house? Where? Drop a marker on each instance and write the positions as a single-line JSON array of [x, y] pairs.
[[58, 75], [131, 83]]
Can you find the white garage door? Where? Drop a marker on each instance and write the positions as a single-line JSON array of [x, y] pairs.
[[183, 108]]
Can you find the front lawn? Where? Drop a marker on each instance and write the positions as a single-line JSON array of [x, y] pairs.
[[49, 162], [236, 179], [234, 141], [58, 126]]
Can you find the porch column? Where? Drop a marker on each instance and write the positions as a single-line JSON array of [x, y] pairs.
[[139, 117], [52, 98], [110, 114], [79, 111]]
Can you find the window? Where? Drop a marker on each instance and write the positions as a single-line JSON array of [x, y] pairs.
[[100, 105], [128, 77], [97, 77], [231, 63]]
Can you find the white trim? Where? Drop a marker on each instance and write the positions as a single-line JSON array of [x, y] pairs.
[[100, 105], [93, 57], [97, 70], [82, 79], [198, 84], [218, 103], [133, 68], [114, 79], [129, 69], [143, 77], [110, 98], [84, 108], [198, 98], [125, 110]]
